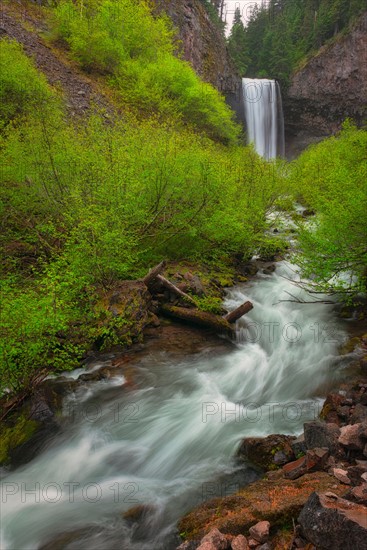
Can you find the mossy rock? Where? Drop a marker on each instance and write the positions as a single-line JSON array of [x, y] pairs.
[[267, 453], [14, 433], [274, 500]]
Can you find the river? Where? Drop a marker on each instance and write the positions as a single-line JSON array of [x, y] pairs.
[[168, 441]]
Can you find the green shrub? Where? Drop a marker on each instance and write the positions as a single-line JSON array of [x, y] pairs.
[[331, 179], [22, 87], [124, 40]]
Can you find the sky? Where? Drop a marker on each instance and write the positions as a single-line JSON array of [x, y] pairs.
[[246, 6]]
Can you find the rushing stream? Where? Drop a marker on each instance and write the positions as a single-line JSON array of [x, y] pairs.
[[168, 442]]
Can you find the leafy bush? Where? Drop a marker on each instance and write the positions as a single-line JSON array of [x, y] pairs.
[[123, 39], [331, 179], [22, 87]]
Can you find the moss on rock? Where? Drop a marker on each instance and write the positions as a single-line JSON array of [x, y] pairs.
[[14, 433], [275, 500]]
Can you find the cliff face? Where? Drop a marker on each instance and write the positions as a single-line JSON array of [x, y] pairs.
[[330, 88], [203, 46]]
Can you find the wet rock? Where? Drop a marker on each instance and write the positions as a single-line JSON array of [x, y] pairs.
[[239, 543], [334, 523], [250, 269], [330, 409], [341, 475], [54, 391], [269, 269], [262, 451], [260, 531], [216, 539], [321, 434]]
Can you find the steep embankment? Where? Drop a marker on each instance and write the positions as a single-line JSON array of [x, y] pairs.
[[81, 92], [329, 88]]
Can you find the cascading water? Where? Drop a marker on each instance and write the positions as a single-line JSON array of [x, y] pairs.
[[167, 442], [264, 116]]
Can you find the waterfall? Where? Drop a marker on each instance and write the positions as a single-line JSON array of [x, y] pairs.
[[264, 116]]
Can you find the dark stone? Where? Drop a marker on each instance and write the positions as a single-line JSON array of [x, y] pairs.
[[299, 445], [358, 414], [321, 434], [334, 523], [250, 268]]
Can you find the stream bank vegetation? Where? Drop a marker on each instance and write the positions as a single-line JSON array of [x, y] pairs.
[[86, 203]]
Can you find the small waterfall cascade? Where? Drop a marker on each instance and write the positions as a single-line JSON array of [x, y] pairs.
[[264, 116]]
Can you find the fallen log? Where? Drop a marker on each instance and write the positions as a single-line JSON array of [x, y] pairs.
[[234, 315], [173, 288], [197, 317], [153, 273]]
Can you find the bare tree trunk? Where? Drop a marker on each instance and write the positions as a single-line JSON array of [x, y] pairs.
[[234, 315]]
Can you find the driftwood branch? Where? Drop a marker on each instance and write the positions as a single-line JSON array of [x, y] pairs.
[[237, 313], [153, 273], [173, 288], [154, 281], [197, 317]]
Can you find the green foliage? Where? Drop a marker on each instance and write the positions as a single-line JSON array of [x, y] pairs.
[[281, 33], [211, 304], [123, 39], [85, 205], [22, 88], [331, 179]]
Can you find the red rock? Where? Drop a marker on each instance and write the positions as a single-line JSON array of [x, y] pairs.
[[359, 494], [260, 531], [315, 460], [216, 538], [239, 543], [252, 543], [342, 475], [350, 437], [207, 545], [295, 469]]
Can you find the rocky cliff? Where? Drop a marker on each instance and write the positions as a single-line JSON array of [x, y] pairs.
[[331, 87], [203, 46]]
